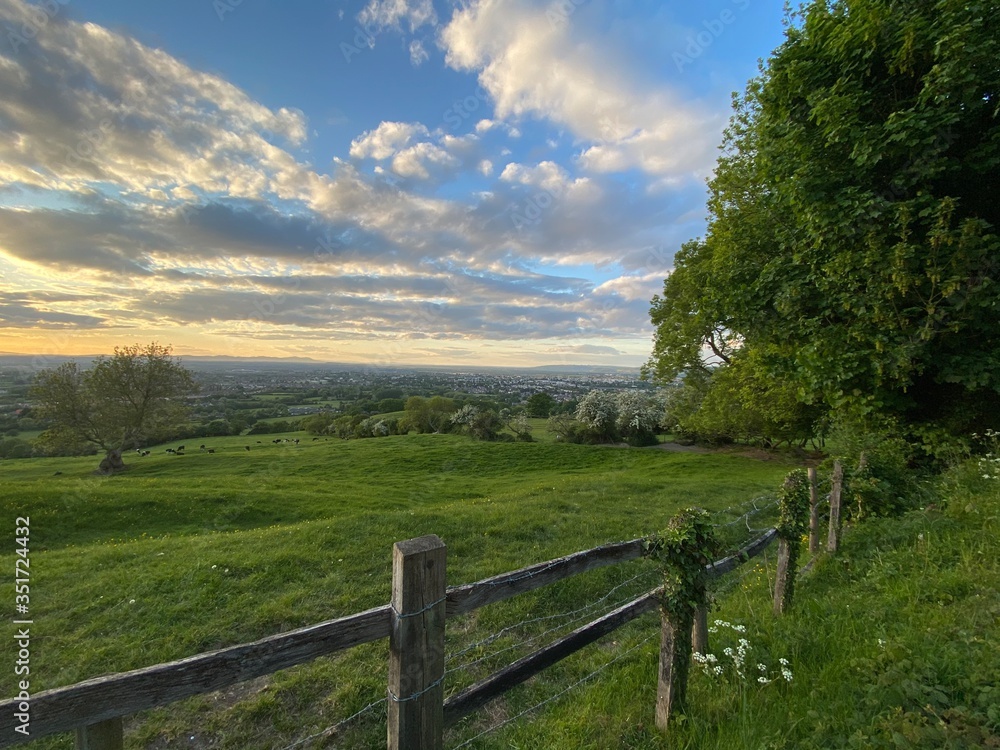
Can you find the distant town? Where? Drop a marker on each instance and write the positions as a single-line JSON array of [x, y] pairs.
[[244, 396]]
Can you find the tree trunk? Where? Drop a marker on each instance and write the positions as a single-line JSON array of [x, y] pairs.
[[112, 463]]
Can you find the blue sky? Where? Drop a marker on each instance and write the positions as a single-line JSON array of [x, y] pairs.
[[390, 181]]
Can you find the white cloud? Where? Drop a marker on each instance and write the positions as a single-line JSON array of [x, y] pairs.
[[418, 161], [587, 349], [553, 179], [532, 67], [632, 287], [390, 14], [418, 54], [365, 255], [387, 139], [83, 104]]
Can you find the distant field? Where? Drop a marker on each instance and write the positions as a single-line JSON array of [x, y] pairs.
[[331, 402], [183, 554]]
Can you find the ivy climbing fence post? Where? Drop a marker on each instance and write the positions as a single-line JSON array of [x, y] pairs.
[[683, 549], [793, 516]]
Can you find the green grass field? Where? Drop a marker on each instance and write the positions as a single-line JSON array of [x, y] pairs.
[[896, 637], [182, 554]]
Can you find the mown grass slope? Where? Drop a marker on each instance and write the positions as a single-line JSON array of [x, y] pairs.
[[183, 554]]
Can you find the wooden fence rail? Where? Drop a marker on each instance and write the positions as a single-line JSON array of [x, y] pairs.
[[413, 621]]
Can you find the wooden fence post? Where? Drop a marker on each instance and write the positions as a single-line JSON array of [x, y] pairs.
[[781, 575], [416, 645], [699, 633], [105, 735], [813, 512], [675, 661], [835, 491]]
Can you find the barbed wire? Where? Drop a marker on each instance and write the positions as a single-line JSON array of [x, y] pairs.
[[586, 608], [333, 729], [535, 637], [745, 518], [557, 695]]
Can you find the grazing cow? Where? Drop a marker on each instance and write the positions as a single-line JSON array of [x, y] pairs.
[[247, 447], [57, 473], [180, 447], [258, 442], [211, 450], [296, 441], [201, 447], [171, 450], [315, 439], [276, 440]]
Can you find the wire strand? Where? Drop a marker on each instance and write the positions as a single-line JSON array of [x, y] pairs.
[[333, 729], [557, 695]]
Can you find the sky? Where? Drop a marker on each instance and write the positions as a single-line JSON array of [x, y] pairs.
[[493, 182]]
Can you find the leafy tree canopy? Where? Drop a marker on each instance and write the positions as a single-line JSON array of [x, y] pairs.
[[119, 402], [852, 245], [540, 404]]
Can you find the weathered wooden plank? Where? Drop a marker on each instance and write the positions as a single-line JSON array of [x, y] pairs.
[[94, 701], [496, 685], [498, 588], [754, 548], [416, 646]]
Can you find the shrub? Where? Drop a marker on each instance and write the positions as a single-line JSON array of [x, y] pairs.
[[880, 476]]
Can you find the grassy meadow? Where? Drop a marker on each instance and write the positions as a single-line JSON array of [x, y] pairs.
[[183, 554], [893, 643]]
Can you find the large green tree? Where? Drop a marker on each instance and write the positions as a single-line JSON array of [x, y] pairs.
[[852, 242], [116, 404]]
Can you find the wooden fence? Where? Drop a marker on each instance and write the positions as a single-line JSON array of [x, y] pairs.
[[414, 623]]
